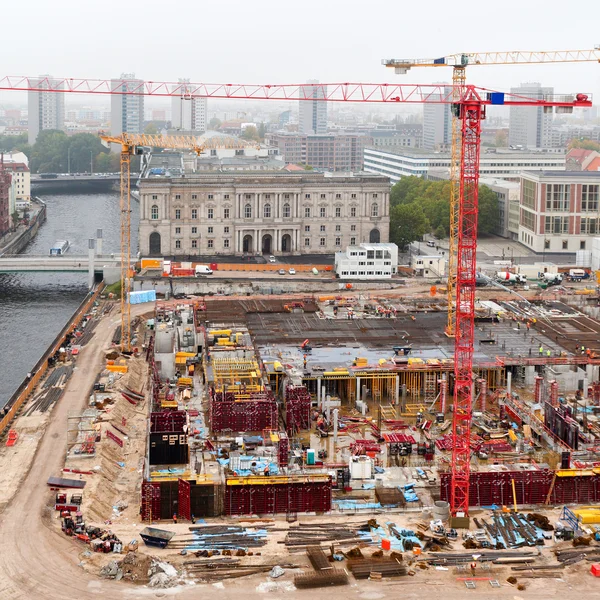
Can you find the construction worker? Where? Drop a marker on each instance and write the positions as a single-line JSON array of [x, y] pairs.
[[582, 349], [588, 352], [541, 350], [548, 353], [175, 518]]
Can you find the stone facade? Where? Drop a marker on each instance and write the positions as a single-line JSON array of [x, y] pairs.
[[261, 213]]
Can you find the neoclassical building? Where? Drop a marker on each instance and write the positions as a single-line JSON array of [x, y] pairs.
[[278, 212]]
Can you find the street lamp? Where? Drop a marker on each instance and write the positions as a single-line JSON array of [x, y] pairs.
[[91, 163]]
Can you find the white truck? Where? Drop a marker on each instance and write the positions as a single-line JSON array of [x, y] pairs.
[[577, 274], [510, 278], [201, 270], [551, 278]]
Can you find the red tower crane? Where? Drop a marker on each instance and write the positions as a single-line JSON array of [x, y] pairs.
[[469, 106]]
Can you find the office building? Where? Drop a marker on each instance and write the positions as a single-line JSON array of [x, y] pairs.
[[276, 212], [187, 114], [312, 117], [127, 108], [437, 125], [46, 110], [367, 261], [331, 152], [530, 127], [501, 163], [559, 210]]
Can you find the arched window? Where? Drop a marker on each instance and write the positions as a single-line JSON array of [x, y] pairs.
[[374, 209], [248, 211], [154, 212], [286, 210], [267, 211]]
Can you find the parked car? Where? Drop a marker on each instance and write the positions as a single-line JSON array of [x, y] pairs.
[[292, 271], [281, 271], [272, 259], [431, 244]]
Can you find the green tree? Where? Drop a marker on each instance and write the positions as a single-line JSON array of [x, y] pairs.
[[15, 218], [151, 128], [489, 212], [12, 142], [250, 133], [214, 123], [407, 224], [501, 139], [49, 153], [261, 131], [440, 232], [585, 144]]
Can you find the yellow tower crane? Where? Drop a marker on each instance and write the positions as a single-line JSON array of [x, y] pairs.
[[132, 144], [459, 63]]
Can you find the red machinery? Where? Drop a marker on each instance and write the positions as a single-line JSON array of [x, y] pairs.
[[469, 106]]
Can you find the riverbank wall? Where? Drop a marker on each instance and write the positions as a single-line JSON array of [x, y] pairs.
[[18, 243], [28, 385]]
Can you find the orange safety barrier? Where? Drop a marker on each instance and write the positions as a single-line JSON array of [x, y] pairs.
[[41, 371]]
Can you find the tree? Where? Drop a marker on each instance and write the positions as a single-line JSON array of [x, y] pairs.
[[585, 144], [407, 224], [489, 212], [214, 123], [501, 140], [151, 129], [15, 218], [261, 131], [8, 143], [250, 133], [440, 232]]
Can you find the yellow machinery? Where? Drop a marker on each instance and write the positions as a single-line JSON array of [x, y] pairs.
[[459, 62], [130, 143]]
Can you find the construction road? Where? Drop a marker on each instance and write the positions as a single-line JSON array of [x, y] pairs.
[[38, 562]]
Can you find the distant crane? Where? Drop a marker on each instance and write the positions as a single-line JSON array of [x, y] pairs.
[[459, 63], [132, 144]]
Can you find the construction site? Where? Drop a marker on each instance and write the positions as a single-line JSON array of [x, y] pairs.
[[323, 423], [287, 443]]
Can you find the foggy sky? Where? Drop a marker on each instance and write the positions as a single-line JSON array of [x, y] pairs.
[[268, 41]]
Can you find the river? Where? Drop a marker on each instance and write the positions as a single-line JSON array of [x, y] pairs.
[[35, 307]]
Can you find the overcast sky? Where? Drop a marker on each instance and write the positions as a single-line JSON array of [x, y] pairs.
[[268, 41]]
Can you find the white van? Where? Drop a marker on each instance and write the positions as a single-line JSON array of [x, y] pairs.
[[203, 270]]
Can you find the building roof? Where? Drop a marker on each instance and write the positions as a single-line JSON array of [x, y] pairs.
[[578, 154], [563, 174], [422, 153]]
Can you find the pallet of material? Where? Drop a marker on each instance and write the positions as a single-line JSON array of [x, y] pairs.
[[362, 569], [321, 579], [60, 482]]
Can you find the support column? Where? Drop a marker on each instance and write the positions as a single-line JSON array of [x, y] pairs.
[[91, 253], [335, 425], [358, 389], [508, 383], [397, 390], [98, 242], [318, 391]]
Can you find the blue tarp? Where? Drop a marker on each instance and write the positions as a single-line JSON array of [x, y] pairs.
[[141, 297]]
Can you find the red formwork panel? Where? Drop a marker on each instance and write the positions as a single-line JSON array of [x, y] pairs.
[[167, 421], [531, 487], [283, 449], [150, 501], [278, 498], [297, 409], [255, 414], [184, 499]]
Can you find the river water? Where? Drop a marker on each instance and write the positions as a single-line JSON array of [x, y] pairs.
[[34, 307]]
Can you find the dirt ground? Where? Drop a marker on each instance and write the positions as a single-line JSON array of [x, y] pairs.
[[37, 561]]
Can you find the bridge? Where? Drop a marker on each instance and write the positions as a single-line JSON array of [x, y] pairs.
[[57, 264], [108, 265], [70, 182]]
